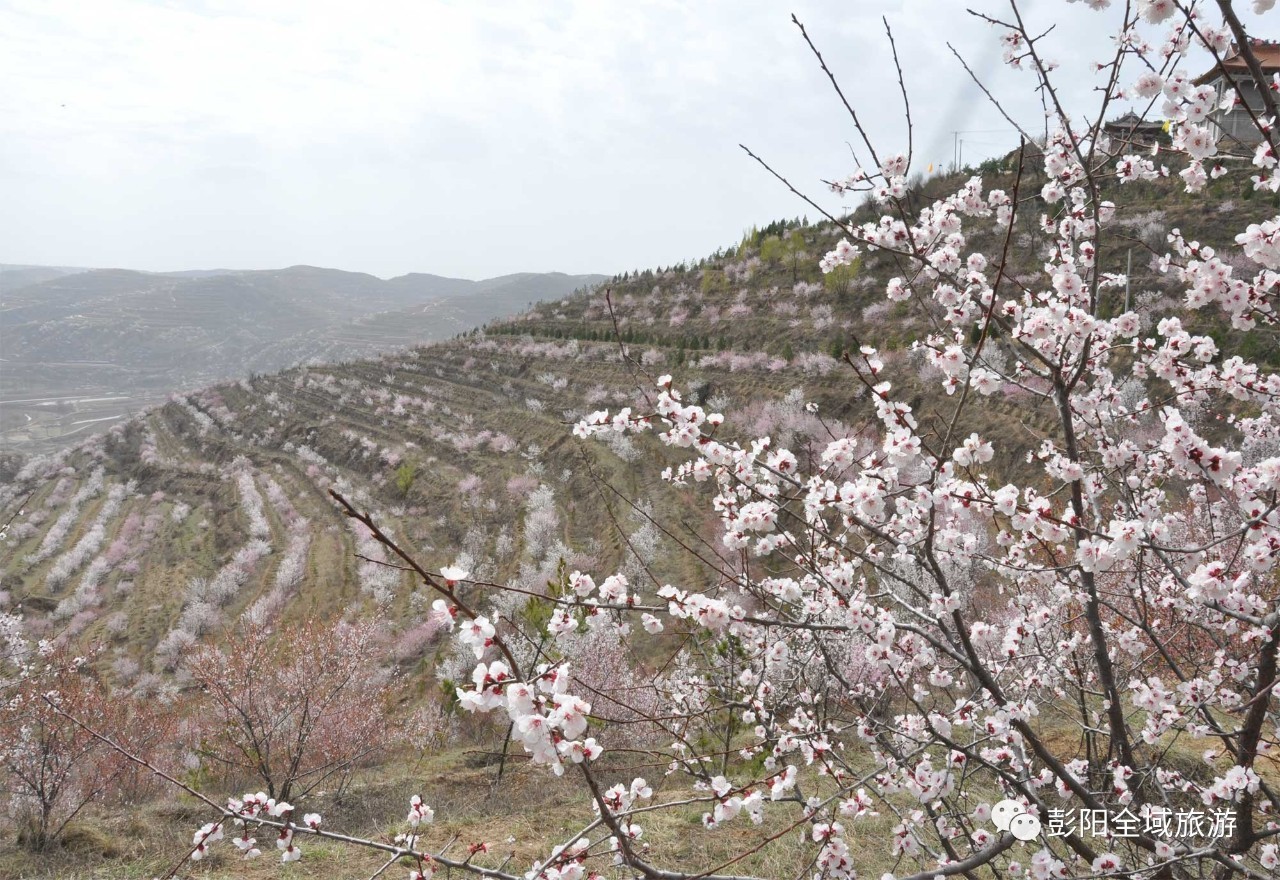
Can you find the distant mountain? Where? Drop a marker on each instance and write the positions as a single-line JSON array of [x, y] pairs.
[[437, 285], [540, 286], [80, 350], [13, 277], [534, 286], [198, 273]]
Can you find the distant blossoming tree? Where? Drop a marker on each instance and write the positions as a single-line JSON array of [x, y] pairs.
[[291, 708]]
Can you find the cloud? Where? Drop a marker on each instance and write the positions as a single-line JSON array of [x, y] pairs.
[[461, 137]]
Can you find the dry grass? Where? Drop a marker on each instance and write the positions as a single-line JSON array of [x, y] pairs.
[[521, 820], [531, 812]]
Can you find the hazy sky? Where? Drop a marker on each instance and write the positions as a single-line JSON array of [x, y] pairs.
[[467, 138]]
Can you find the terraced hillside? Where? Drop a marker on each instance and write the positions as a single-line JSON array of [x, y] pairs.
[[165, 529], [162, 530]]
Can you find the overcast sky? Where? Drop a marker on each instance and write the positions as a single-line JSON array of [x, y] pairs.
[[468, 138]]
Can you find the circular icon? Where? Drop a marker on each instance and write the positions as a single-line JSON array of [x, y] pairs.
[[1002, 813], [1024, 827]]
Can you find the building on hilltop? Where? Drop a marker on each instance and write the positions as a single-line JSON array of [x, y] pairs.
[[1236, 123], [1131, 133]]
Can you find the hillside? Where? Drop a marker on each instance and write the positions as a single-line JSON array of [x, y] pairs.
[[82, 350], [463, 447], [162, 532]]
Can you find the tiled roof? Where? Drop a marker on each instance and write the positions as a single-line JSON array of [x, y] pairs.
[[1131, 122], [1266, 51]]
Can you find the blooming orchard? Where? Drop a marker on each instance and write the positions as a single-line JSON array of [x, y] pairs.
[[892, 626]]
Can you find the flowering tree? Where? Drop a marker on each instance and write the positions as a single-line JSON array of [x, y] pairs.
[[52, 766], [1009, 674], [290, 709]]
